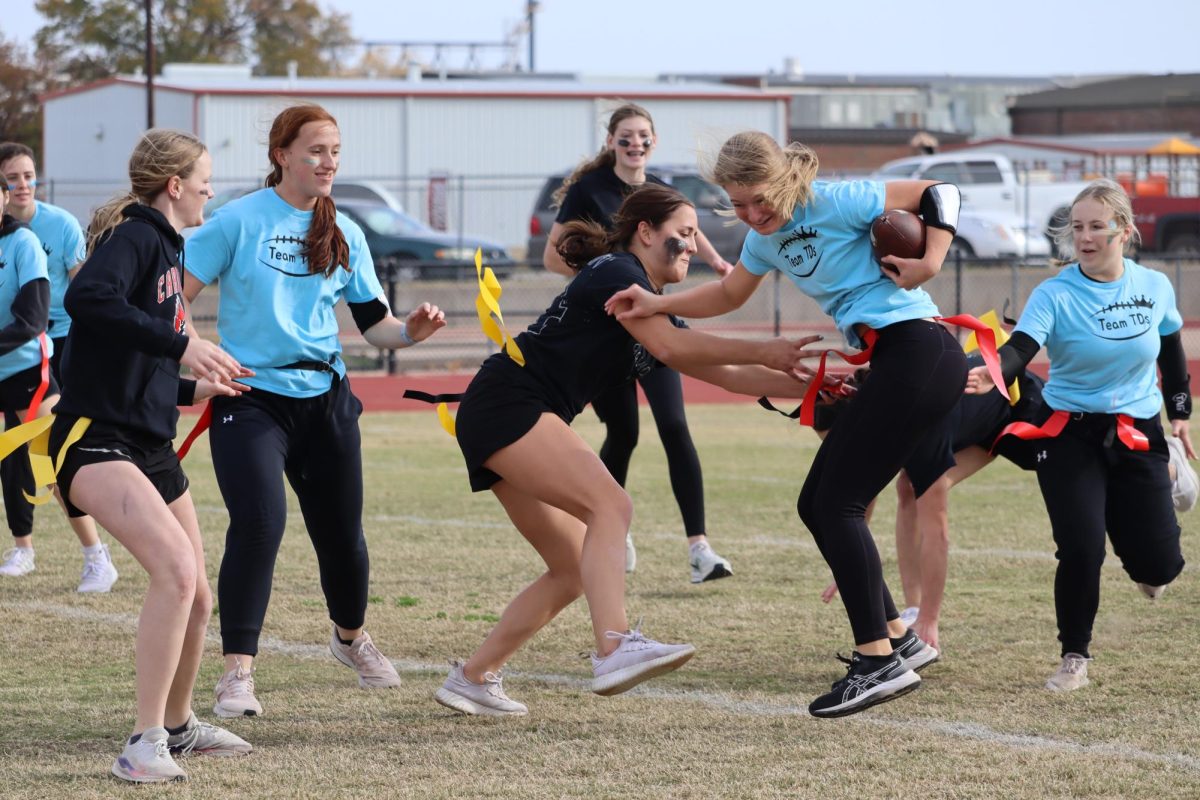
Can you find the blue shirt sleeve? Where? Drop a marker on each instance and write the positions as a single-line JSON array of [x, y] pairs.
[[1037, 320], [858, 202], [751, 257], [1172, 321], [210, 250], [363, 285], [29, 258]]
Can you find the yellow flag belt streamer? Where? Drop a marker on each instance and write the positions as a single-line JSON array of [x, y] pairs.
[[992, 320], [37, 435], [487, 308]]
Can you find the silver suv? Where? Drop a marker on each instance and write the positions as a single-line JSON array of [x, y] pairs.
[[707, 197]]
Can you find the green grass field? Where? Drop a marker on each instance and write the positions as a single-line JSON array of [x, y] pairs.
[[732, 723]]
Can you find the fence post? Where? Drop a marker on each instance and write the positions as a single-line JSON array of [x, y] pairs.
[[1016, 284], [958, 281], [778, 312], [390, 357], [462, 206]]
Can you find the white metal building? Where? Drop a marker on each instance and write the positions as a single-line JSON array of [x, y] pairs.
[[494, 140]]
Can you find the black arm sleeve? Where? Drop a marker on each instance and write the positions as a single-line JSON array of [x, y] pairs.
[[367, 314], [187, 392], [1016, 354], [31, 313], [1176, 383], [99, 297]]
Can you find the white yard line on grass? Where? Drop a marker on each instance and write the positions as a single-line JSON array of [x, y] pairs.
[[949, 729]]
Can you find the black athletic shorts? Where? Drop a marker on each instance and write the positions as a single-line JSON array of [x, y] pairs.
[[494, 412], [102, 442], [17, 390]]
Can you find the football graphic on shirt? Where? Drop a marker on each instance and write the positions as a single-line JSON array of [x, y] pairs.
[[1125, 319], [284, 253]]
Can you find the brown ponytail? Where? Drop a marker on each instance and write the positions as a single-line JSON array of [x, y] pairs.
[[583, 240], [325, 246], [606, 157]]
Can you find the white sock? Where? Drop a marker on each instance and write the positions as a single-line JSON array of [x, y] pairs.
[[93, 549]]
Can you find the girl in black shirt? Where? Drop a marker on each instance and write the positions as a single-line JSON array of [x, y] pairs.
[[121, 372], [594, 192], [513, 428]]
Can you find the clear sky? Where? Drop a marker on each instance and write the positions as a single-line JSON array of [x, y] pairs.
[[647, 37]]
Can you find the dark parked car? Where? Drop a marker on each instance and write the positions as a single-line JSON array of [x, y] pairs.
[[419, 251], [708, 197]]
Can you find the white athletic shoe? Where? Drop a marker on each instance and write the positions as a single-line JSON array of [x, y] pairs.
[[361, 655], [487, 698], [147, 760], [18, 561], [204, 739], [636, 659], [1186, 485], [630, 553], [706, 564], [235, 694], [1153, 592], [909, 616], [99, 574], [1071, 674]]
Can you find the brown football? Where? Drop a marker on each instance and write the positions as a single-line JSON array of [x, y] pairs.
[[898, 233]]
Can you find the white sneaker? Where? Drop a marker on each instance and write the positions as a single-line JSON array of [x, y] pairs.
[[635, 660], [1186, 485], [1071, 674], [909, 616], [487, 698], [235, 694], [1153, 592], [706, 564], [361, 655], [630, 553], [18, 561], [148, 760], [204, 739], [99, 573]]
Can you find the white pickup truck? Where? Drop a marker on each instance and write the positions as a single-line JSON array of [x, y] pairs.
[[995, 199]]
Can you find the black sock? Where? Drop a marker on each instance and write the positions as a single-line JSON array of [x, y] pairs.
[[176, 731], [876, 659], [134, 739], [346, 642]]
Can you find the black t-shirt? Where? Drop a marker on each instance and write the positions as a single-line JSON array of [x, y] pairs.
[[575, 350], [597, 196]]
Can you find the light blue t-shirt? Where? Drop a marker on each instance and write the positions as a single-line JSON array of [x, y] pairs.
[[1102, 339], [21, 261], [826, 251], [273, 312], [63, 243]]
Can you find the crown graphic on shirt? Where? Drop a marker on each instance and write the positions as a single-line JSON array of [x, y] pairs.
[[1129, 305]]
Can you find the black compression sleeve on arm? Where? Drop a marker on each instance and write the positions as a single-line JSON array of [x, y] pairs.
[[367, 314], [30, 312], [1016, 354], [1176, 383]]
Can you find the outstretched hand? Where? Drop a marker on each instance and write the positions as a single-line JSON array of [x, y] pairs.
[[425, 320], [632, 303], [786, 355], [979, 381], [206, 359], [212, 385]]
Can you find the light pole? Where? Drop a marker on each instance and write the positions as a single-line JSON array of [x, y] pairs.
[[531, 8], [149, 67]]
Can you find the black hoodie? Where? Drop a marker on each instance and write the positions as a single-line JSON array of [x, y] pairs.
[[129, 329]]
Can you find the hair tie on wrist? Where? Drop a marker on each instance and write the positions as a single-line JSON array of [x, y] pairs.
[[404, 337]]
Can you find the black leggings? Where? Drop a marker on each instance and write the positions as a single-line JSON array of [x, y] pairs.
[[257, 439], [1092, 483], [618, 410], [16, 475], [918, 372]]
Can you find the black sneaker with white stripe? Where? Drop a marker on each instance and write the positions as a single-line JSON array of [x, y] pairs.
[[869, 680], [916, 652]]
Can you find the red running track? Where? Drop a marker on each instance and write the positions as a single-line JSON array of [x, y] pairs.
[[384, 393]]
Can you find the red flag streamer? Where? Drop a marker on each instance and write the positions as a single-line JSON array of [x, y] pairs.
[[40, 393], [200, 427]]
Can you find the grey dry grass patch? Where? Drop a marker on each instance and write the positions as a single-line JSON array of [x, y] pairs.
[[730, 724]]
